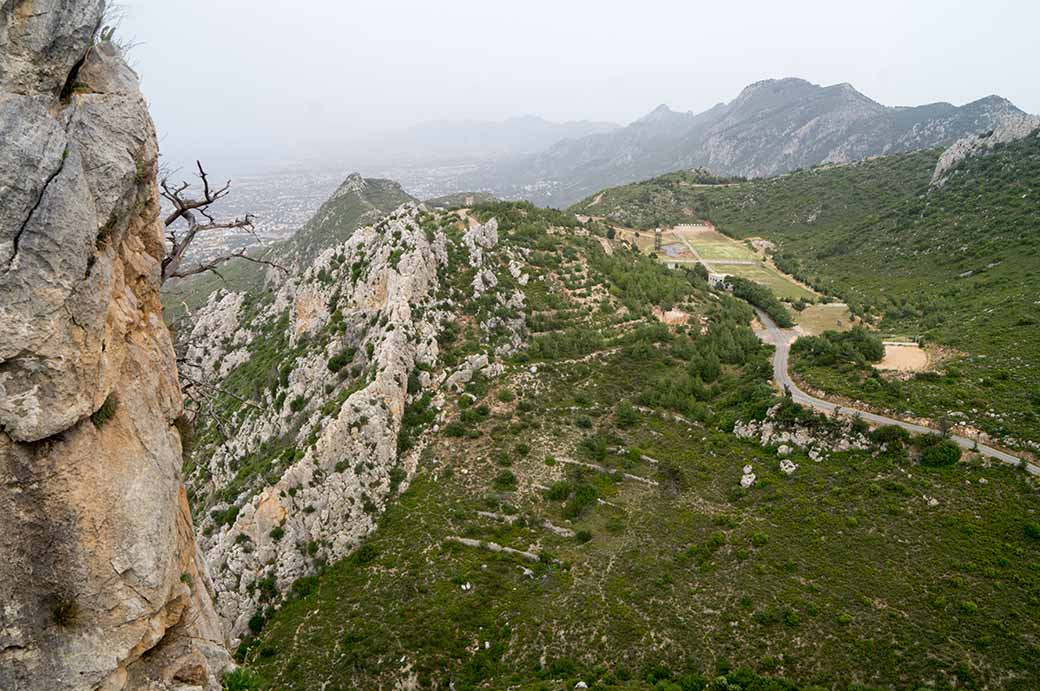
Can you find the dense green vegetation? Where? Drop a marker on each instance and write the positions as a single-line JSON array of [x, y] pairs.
[[602, 456], [761, 297], [459, 200], [835, 575], [955, 266], [851, 348]]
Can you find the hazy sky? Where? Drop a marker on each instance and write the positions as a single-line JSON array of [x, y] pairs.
[[274, 81]]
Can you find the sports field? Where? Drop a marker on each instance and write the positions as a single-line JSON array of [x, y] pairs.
[[783, 287], [712, 245], [688, 244], [815, 319]]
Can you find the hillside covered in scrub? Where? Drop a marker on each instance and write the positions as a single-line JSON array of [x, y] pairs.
[[357, 201], [495, 448], [954, 265]]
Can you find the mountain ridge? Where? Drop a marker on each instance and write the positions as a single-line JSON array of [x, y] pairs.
[[772, 126]]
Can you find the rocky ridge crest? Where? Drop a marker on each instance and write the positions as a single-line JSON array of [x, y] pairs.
[[341, 367]]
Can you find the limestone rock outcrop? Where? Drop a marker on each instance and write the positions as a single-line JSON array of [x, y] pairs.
[[101, 583], [314, 394], [346, 339], [1011, 127]]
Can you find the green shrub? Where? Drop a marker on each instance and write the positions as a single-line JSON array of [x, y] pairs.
[[627, 415], [256, 622], [583, 536], [341, 360], [105, 412], [558, 491], [505, 481], [455, 429], [366, 554], [241, 679], [893, 436], [584, 496], [942, 453]]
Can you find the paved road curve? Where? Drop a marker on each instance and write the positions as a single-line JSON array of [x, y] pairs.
[[783, 338]]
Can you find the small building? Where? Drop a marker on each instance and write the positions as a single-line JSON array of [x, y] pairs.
[[715, 280]]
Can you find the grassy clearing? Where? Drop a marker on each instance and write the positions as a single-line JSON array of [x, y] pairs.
[[712, 245], [783, 287], [815, 319]]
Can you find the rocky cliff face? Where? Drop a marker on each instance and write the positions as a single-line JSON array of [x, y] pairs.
[[343, 338], [100, 582]]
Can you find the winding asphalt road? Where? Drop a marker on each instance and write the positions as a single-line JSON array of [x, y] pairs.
[[783, 338]]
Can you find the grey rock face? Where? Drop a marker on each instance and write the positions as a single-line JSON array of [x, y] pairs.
[[335, 354], [99, 561], [42, 41], [344, 425], [1010, 128]]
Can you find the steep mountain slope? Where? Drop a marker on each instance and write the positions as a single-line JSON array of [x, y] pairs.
[[310, 381], [101, 584], [955, 264], [567, 502], [773, 126], [356, 202]]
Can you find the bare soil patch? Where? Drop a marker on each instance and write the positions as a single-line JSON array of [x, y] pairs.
[[904, 358], [672, 316]]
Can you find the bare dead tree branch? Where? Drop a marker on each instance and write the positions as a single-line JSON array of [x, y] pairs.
[[214, 388], [212, 265], [188, 210]]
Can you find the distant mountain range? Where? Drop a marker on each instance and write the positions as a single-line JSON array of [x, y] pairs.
[[452, 141], [773, 126]]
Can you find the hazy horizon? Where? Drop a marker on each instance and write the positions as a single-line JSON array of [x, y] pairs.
[[252, 86]]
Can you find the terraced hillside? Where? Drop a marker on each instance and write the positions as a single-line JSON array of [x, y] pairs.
[[575, 504], [956, 266]]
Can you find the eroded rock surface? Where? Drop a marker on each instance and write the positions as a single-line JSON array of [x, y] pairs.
[[101, 586], [1009, 128], [323, 385]]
